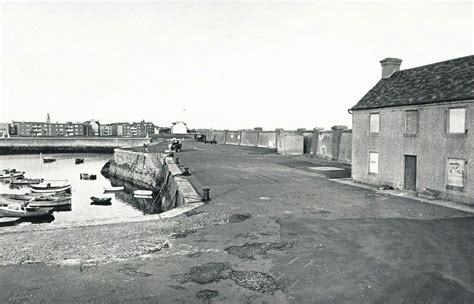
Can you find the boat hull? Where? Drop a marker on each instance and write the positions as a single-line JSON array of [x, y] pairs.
[[28, 214], [37, 189], [59, 202]]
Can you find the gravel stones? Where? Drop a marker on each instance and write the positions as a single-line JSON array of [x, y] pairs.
[[250, 250], [255, 280]]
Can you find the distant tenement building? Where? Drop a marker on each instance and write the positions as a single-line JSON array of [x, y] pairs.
[[413, 130]]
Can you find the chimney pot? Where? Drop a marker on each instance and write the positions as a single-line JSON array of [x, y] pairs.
[[390, 66]]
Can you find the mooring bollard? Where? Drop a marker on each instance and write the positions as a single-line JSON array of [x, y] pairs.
[[177, 160], [205, 194], [186, 171]]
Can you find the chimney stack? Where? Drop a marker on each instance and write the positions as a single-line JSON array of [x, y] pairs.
[[390, 66]]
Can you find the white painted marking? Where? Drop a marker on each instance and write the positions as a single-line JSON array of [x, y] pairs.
[[326, 168], [292, 261], [264, 198]]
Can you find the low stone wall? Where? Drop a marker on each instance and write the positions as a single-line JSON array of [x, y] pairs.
[[232, 137], [290, 143], [345, 147], [334, 144], [249, 138], [267, 139], [325, 144]]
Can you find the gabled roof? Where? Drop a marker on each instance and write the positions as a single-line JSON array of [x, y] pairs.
[[447, 81]]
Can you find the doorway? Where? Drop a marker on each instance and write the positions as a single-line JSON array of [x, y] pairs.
[[410, 172]]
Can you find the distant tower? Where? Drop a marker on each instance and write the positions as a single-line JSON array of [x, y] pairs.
[[48, 118]]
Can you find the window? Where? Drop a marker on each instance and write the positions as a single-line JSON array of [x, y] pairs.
[[457, 120], [455, 173], [411, 122], [374, 119], [374, 162]]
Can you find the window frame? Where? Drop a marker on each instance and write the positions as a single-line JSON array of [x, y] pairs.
[[368, 162], [370, 124], [405, 132], [448, 121]]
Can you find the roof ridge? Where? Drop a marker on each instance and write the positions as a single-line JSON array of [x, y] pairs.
[[435, 63]]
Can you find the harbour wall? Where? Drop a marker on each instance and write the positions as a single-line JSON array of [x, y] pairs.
[[157, 172], [24, 145], [334, 144]]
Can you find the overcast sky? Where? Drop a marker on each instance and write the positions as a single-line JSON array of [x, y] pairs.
[[230, 65]]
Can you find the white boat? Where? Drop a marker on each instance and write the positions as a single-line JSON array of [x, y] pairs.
[[142, 193], [11, 173], [48, 188], [53, 202], [17, 210], [113, 188]]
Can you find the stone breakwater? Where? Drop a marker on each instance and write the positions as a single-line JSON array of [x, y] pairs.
[[154, 171], [142, 169]]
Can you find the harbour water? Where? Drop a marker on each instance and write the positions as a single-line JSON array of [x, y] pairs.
[[124, 207]]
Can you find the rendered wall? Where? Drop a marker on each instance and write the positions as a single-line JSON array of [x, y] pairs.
[[432, 147], [308, 141], [290, 143], [267, 139], [218, 135], [233, 138], [325, 144], [249, 138], [345, 147]]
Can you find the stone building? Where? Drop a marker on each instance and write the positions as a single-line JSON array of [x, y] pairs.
[[413, 129]]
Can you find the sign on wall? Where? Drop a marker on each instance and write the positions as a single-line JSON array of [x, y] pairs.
[[456, 172]]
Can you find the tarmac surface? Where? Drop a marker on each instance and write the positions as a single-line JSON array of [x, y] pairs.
[[277, 230]]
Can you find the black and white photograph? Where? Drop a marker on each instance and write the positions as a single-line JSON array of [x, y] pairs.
[[232, 151]]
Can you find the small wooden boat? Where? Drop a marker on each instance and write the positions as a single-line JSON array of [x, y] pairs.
[[48, 159], [79, 161], [30, 196], [101, 200], [17, 210], [143, 194], [51, 202], [88, 176], [113, 188], [48, 188], [26, 181], [11, 173]]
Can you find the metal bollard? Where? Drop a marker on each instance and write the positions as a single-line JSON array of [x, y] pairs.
[[177, 160], [205, 194], [186, 171]]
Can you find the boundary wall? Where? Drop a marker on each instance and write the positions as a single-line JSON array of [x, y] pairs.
[[334, 144]]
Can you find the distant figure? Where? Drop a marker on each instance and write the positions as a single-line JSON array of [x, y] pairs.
[[175, 145]]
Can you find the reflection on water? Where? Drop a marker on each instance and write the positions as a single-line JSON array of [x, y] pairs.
[[124, 205]]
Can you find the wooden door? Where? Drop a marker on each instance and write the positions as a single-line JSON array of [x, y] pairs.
[[410, 172]]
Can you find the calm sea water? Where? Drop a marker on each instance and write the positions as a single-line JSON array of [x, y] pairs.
[[124, 207]]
